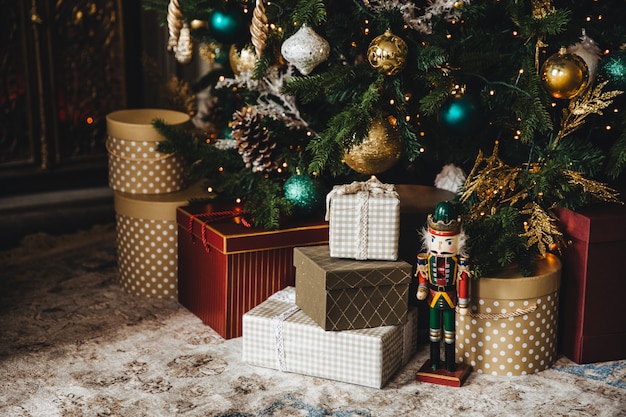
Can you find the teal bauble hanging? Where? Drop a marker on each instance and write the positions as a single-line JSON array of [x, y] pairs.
[[304, 193], [612, 68], [461, 115], [227, 26]]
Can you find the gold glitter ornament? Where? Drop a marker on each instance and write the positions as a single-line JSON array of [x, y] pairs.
[[241, 60], [379, 151], [542, 8], [387, 53], [564, 74], [209, 52]]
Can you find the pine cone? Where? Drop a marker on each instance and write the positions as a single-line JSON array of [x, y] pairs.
[[253, 141]]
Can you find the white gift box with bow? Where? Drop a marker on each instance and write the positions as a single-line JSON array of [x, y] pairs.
[[364, 220]]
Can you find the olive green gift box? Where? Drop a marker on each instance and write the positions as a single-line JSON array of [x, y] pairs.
[[344, 294]]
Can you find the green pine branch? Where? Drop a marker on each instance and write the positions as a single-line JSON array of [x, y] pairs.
[[267, 204], [203, 160], [617, 157], [177, 140], [576, 153], [344, 84], [345, 130], [429, 57], [496, 242], [553, 23], [310, 12]]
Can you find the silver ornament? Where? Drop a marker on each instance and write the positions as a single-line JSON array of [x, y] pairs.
[[305, 50], [590, 52], [451, 178]]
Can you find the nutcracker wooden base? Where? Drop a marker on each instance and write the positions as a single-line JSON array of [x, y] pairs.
[[443, 377]]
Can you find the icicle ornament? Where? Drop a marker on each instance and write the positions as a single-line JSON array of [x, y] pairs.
[[258, 28]]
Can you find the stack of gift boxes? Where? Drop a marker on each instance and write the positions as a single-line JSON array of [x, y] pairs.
[[321, 297], [348, 318], [148, 187], [309, 298]]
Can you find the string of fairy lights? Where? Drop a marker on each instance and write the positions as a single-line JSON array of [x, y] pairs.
[[612, 62]]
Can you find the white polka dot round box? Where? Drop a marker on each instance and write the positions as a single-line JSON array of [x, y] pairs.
[[135, 165], [147, 241], [512, 325]]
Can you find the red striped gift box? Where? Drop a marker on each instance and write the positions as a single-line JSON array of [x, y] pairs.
[[226, 268]]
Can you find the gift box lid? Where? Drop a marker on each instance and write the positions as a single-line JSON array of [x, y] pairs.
[[595, 223], [228, 234], [136, 124], [340, 273], [421, 198], [511, 285], [156, 206]]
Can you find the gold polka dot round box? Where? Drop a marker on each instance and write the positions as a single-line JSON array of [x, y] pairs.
[[147, 240], [511, 328], [135, 165]]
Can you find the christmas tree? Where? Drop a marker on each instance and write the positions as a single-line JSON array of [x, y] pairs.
[[524, 96]]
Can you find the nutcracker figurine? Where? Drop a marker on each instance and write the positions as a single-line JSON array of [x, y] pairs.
[[443, 278]]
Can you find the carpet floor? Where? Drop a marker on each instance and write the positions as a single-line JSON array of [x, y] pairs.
[[73, 343]]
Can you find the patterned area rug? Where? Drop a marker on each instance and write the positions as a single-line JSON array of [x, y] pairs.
[[73, 343]]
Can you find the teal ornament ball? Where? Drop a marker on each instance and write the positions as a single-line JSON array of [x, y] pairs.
[[227, 26], [461, 115], [612, 68], [304, 193]]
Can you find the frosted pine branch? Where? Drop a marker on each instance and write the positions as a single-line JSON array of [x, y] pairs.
[[274, 103], [271, 102], [410, 12]]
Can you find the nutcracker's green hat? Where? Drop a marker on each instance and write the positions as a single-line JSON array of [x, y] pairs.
[[445, 219]]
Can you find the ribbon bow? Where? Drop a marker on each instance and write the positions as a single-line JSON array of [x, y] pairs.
[[373, 186]]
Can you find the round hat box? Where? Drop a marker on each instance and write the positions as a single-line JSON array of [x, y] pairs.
[[512, 325], [135, 165]]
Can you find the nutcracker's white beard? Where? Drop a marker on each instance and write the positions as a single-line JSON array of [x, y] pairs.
[[426, 237]]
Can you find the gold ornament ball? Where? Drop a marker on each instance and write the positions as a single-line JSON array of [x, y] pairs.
[[242, 60], [379, 151], [387, 53], [564, 75]]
